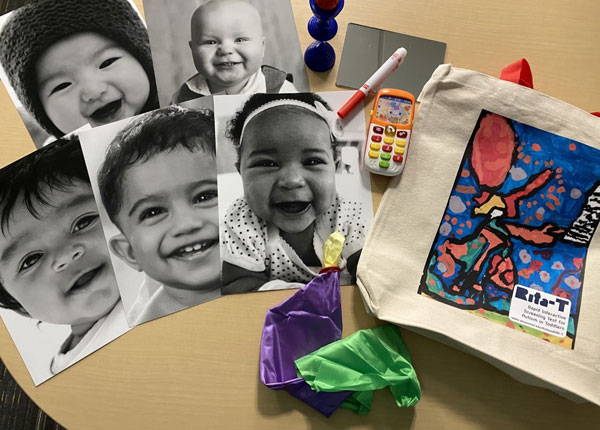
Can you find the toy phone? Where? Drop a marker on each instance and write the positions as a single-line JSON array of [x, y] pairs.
[[389, 132]]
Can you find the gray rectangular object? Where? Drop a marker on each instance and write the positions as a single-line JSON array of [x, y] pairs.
[[367, 48]]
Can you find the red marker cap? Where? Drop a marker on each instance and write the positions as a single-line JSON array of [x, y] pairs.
[[356, 98]]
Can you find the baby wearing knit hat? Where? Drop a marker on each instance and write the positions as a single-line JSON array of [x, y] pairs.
[[78, 62]]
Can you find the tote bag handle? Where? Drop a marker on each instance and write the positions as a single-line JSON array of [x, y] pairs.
[[519, 72]]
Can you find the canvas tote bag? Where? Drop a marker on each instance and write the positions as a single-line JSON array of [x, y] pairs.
[[486, 241]]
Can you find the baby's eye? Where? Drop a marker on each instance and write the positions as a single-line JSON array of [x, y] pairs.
[[151, 213], [84, 223], [108, 62], [30, 261], [60, 87], [314, 161], [206, 196], [209, 42], [241, 39], [264, 163]]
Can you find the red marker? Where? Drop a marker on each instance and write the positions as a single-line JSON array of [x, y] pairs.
[[374, 81]]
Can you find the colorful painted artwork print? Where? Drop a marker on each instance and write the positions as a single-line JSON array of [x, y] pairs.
[[522, 212]]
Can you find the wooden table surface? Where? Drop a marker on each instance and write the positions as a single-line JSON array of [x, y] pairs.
[[199, 368]]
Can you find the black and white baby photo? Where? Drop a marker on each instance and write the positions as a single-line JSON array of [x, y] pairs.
[[203, 47], [155, 180], [58, 294], [289, 176], [69, 63]]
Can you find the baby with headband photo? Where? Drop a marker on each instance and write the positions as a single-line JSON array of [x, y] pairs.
[[287, 155]]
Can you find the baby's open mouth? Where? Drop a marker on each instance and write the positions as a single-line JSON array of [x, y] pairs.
[[227, 64], [84, 281], [295, 207], [107, 112], [194, 249]]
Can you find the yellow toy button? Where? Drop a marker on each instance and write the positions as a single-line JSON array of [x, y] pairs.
[[388, 140], [375, 146], [373, 154], [399, 150], [401, 142], [390, 130]]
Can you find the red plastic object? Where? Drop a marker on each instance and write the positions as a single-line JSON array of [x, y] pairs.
[[356, 98], [327, 4], [518, 72]]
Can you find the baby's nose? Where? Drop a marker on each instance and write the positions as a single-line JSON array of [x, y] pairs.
[[92, 89], [226, 47], [186, 221], [291, 178], [67, 256]]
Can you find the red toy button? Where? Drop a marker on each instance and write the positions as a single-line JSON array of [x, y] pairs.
[[376, 138], [398, 158], [378, 130], [387, 148], [402, 134]]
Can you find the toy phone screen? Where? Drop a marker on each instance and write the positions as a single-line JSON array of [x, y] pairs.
[[393, 110]]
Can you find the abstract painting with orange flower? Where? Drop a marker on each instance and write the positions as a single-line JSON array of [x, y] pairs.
[[523, 209]]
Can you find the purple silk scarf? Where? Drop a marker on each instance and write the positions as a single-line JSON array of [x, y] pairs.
[[305, 322]]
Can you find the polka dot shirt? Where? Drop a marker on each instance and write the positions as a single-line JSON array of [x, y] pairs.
[[252, 244]]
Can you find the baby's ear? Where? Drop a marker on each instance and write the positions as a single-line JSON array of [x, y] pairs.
[[120, 246]]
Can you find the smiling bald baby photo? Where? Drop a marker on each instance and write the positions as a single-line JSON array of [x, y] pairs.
[[228, 45]]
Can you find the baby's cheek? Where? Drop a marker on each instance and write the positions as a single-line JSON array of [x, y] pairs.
[[326, 192], [213, 216], [254, 188], [65, 113]]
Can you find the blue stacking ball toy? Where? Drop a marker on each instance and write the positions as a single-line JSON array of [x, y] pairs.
[[319, 56]]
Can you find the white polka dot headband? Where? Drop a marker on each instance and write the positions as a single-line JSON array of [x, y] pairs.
[[333, 121]]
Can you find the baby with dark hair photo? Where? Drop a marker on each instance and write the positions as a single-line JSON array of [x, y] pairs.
[[158, 185], [54, 264], [287, 157], [78, 62]]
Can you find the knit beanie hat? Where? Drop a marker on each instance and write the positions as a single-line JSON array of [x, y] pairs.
[[33, 28]]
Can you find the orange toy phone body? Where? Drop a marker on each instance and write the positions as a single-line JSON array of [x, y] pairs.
[[389, 132]]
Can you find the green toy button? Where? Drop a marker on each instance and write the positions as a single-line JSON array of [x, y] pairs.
[[384, 164]]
